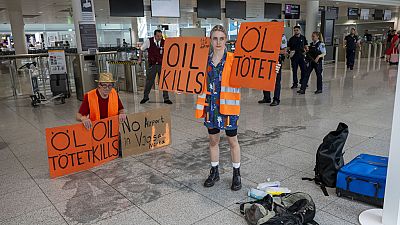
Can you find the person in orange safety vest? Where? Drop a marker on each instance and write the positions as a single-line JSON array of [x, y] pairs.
[[220, 106], [100, 103]]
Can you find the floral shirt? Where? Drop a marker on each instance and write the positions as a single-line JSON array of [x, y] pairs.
[[213, 118]]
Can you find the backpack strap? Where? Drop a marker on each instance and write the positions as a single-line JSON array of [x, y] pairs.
[[323, 188]]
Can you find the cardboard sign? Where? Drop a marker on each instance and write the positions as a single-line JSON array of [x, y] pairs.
[[146, 131], [74, 148], [256, 55], [184, 66]]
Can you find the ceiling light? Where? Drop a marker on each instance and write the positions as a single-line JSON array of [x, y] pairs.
[[101, 9], [40, 12]]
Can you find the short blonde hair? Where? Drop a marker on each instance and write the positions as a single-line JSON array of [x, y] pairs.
[[218, 28]]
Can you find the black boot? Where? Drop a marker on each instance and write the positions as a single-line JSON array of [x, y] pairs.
[[213, 177], [236, 181]]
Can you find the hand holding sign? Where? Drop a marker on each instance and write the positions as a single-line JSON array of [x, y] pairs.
[[74, 148], [184, 64], [256, 55], [145, 131]]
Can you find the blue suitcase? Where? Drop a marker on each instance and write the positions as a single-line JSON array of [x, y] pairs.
[[363, 179]]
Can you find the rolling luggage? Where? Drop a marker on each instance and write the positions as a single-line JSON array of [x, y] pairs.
[[59, 84], [363, 179]]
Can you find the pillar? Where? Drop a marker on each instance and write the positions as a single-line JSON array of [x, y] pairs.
[[390, 215], [17, 26], [312, 7], [83, 14], [397, 22], [134, 31], [196, 21], [225, 21], [391, 207]]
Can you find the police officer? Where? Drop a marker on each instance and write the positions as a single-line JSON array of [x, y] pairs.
[[297, 46], [351, 42], [277, 91], [314, 57]]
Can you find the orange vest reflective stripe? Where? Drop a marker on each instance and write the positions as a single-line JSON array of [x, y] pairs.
[[229, 96], [94, 104]]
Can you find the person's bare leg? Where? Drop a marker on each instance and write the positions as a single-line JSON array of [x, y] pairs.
[[214, 156], [235, 149], [214, 147], [235, 155]]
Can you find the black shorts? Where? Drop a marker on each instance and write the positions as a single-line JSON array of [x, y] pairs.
[[229, 133]]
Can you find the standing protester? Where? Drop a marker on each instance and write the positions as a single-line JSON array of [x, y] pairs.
[[101, 103], [277, 91], [315, 56], [297, 46], [351, 42], [220, 106], [155, 46]]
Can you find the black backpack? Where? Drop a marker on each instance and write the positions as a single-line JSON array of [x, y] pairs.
[[289, 209], [329, 158]]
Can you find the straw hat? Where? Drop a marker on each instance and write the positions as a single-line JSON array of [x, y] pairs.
[[105, 78]]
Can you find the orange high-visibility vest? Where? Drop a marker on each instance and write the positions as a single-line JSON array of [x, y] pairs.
[[94, 104], [229, 96]]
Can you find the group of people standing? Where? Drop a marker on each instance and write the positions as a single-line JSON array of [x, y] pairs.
[[309, 57], [219, 107]]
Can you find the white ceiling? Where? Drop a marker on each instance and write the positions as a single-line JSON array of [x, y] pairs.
[[56, 11]]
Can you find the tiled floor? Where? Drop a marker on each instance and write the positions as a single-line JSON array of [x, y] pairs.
[[165, 186]]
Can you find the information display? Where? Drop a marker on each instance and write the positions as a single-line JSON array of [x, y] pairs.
[[364, 14], [352, 13], [292, 11], [387, 15], [165, 8], [273, 11]]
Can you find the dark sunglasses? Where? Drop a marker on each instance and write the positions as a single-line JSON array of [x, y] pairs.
[[107, 85]]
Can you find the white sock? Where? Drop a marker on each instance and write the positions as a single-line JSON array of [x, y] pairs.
[[214, 164], [236, 165]]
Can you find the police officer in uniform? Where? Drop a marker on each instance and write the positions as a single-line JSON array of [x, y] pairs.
[[314, 57], [297, 46], [277, 91], [154, 46], [351, 42]]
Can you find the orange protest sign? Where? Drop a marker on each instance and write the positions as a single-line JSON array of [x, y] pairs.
[[256, 55], [74, 148], [184, 64]]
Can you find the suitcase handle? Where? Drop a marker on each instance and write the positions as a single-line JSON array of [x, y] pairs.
[[350, 179], [377, 163]]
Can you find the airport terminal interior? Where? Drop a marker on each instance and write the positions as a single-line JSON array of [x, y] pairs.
[[165, 185]]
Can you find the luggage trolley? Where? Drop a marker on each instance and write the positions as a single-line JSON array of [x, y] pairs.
[[38, 97]]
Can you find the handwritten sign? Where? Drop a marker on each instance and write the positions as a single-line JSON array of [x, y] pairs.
[[74, 148], [256, 55], [184, 64], [146, 131]]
